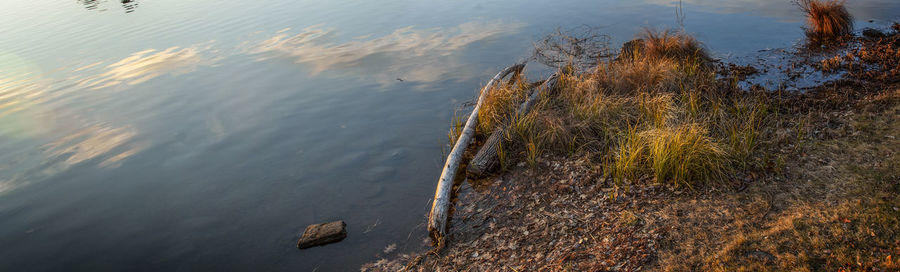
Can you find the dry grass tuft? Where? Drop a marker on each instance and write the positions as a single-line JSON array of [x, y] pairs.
[[684, 155], [499, 102], [668, 44], [828, 20], [629, 156]]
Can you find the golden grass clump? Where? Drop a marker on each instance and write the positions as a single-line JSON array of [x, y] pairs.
[[657, 108], [669, 44], [684, 155], [501, 101], [641, 75], [659, 114], [681, 155], [629, 156], [658, 61], [828, 20]]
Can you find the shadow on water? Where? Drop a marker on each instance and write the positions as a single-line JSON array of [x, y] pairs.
[[128, 5]]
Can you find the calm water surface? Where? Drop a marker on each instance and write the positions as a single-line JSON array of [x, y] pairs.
[[204, 135]]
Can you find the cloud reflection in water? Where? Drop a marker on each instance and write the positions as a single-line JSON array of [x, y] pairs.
[[419, 55], [29, 123], [96, 141], [150, 63], [32, 111], [110, 145]]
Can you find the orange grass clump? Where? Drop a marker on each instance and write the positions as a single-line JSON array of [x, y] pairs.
[[668, 44], [828, 20]]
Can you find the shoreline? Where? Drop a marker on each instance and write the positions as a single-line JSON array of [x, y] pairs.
[[819, 191]]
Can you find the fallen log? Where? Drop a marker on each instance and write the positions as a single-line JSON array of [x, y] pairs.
[[440, 207], [487, 158]]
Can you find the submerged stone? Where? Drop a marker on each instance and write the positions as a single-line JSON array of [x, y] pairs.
[[320, 234], [872, 33]]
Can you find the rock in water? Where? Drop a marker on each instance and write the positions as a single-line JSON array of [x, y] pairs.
[[320, 234], [872, 33]]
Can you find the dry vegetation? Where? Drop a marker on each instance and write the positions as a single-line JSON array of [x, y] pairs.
[[658, 113], [650, 161], [874, 60], [830, 205], [828, 20]]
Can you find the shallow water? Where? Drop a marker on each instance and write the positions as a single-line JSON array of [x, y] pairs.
[[200, 135]]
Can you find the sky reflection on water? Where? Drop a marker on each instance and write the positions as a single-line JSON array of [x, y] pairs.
[[204, 135], [409, 53], [147, 64]]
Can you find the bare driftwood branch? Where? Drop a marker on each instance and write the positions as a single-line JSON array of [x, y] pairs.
[[440, 207], [486, 159]]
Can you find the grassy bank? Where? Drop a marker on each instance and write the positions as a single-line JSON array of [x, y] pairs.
[[656, 159], [831, 206], [657, 113]]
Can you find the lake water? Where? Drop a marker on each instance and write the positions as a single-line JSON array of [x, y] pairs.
[[205, 135]]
